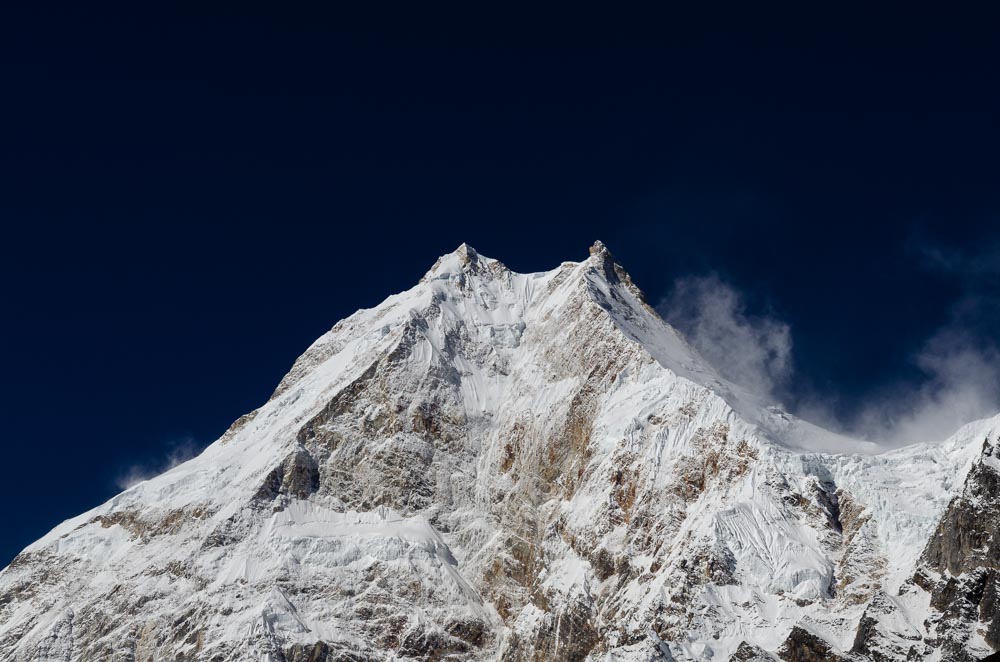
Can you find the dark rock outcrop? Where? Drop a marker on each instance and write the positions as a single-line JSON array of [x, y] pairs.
[[297, 476], [875, 642], [750, 653], [965, 539], [803, 646], [960, 566]]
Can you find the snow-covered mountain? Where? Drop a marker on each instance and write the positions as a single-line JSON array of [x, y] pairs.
[[494, 465]]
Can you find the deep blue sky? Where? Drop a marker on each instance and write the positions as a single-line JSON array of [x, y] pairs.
[[190, 197]]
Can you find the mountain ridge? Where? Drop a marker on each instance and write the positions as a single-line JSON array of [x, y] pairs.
[[494, 465]]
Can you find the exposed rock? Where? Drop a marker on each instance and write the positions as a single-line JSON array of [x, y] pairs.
[[297, 476], [883, 634], [960, 566], [966, 538], [804, 646], [750, 653]]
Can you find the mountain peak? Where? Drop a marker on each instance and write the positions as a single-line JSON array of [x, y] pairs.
[[612, 270], [466, 253], [600, 254], [464, 259], [599, 249], [489, 465]]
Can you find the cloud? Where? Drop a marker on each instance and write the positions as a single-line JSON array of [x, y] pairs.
[[960, 383], [982, 261], [179, 451], [754, 351], [957, 369], [959, 362]]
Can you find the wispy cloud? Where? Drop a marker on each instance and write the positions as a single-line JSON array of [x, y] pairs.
[[178, 451], [985, 260], [960, 361], [754, 351], [957, 367], [961, 383]]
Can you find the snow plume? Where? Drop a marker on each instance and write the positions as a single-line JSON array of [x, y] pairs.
[[960, 361], [958, 366], [179, 451], [751, 350], [961, 384]]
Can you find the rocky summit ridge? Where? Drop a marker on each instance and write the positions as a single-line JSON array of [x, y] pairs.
[[504, 466]]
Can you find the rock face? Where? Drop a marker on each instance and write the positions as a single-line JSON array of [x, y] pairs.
[[960, 566], [883, 632], [804, 646], [749, 653], [496, 465]]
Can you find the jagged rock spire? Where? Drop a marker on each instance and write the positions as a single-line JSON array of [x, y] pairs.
[[599, 249]]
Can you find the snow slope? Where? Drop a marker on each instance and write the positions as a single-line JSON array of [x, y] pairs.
[[494, 465]]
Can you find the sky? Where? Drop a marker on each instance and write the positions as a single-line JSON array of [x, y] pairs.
[[190, 195]]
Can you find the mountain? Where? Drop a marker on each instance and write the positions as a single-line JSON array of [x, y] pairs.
[[494, 465]]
